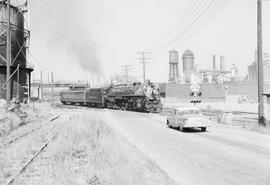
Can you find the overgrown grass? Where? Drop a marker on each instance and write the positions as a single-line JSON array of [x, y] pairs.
[[91, 152], [33, 113]]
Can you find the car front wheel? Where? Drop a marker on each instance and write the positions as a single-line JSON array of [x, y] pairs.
[[169, 124]]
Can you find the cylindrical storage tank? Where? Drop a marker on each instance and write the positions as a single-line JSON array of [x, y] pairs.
[[188, 65], [173, 57], [17, 35], [18, 40]]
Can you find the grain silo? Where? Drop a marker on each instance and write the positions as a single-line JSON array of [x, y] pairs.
[[188, 65]]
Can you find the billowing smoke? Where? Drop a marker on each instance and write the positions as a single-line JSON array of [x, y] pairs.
[[65, 25]]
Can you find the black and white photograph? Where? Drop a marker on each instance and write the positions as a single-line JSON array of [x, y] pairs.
[[134, 92]]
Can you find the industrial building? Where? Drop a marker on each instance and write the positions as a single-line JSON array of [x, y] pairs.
[[20, 81], [267, 106], [253, 69], [218, 75]]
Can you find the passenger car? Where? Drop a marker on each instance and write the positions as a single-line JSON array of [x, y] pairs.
[[187, 117]]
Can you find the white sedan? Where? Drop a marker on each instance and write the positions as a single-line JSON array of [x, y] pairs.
[[187, 117]]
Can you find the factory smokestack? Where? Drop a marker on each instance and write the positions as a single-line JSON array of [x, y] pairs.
[[214, 62], [222, 63]]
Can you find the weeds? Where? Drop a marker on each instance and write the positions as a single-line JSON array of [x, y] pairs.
[[93, 151]]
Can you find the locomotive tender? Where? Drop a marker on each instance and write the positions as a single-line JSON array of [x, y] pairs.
[[131, 97]]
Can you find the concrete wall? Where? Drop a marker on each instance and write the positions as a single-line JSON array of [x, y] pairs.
[[210, 92], [214, 92], [246, 88]]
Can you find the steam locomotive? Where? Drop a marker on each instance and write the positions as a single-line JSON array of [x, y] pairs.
[[131, 97]]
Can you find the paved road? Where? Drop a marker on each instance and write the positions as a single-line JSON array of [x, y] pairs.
[[217, 157]]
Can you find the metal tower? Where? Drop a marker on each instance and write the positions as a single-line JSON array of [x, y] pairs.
[[173, 62]]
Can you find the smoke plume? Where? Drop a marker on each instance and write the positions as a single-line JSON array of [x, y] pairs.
[[65, 25]]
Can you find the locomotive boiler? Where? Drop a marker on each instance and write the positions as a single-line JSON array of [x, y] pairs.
[[132, 97]]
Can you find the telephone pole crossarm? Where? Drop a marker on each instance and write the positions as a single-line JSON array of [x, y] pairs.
[[126, 70], [143, 59]]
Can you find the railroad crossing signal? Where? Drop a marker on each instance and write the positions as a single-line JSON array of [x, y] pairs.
[[195, 92]]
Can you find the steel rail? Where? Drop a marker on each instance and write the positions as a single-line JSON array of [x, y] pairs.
[[31, 159], [29, 132]]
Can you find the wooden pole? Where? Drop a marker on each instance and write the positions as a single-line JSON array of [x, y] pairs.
[[260, 64], [8, 55], [18, 84], [41, 85]]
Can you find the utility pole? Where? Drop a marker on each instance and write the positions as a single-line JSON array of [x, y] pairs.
[[115, 77], [8, 55], [41, 85], [126, 69], [260, 64], [52, 84], [143, 61], [48, 80], [93, 80], [18, 83]]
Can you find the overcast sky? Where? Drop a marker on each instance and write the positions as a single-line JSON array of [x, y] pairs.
[[78, 38]]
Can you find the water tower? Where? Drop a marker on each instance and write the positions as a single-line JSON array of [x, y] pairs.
[[173, 62], [20, 81]]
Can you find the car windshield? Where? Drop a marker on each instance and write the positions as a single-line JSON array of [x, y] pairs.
[[190, 112]]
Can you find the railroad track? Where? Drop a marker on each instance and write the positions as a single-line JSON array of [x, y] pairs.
[[28, 132], [16, 163], [30, 160]]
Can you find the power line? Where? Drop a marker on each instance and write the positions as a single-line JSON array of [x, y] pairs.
[[196, 19], [143, 61], [184, 23], [183, 20], [174, 26], [205, 19]]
